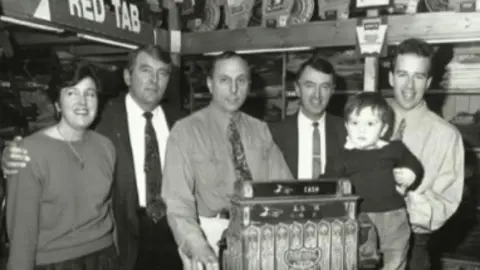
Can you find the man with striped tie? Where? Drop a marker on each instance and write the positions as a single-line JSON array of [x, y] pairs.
[[312, 140]]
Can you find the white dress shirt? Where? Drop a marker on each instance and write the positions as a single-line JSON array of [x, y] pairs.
[[305, 141], [136, 130], [439, 146]]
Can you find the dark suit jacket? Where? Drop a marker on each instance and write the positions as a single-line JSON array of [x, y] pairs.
[[114, 125], [285, 135]]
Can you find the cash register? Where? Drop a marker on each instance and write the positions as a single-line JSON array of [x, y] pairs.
[[298, 225]]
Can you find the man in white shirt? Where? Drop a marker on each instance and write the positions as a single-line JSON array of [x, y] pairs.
[[435, 142], [139, 126], [312, 140], [136, 130]]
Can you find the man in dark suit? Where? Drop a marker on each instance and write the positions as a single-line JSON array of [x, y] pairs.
[[312, 140], [143, 242], [138, 126]]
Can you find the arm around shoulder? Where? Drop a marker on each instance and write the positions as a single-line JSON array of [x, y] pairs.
[[439, 195]]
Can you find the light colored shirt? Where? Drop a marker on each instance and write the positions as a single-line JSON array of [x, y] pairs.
[[136, 130], [305, 145], [438, 145], [199, 174]]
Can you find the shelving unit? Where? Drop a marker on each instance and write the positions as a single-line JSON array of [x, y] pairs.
[[387, 92], [440, 27], [436, 28]]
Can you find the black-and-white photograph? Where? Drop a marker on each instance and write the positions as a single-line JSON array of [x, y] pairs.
[[290, 135]]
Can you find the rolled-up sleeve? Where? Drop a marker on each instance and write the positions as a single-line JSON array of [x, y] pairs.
[[178, 192], [23, 207], [440, 193], [410, 161]]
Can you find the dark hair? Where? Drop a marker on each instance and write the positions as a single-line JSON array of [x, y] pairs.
[[317, 63], [223, 56], [373, 100], [413, 46], [70, 75], [152, 50]]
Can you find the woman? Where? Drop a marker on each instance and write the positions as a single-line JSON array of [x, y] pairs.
[[59, 207]]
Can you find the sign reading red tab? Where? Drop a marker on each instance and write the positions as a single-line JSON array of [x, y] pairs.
[[371, 36], [119, 20]]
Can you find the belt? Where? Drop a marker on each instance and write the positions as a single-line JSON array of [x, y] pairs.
[[222, 214]]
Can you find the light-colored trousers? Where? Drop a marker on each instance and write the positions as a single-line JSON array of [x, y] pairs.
[[394, 237], [213, 228]]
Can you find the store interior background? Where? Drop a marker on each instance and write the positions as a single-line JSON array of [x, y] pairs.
[[29, 56]]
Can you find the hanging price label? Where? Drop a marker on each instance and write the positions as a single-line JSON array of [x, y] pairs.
[[371, 36], [412, 7], [276, 13], [236, 6], [238, 13]]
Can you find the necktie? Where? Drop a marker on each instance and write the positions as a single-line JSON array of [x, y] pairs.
[[242, 172], [153, 169], [316, 153], [401, 127]]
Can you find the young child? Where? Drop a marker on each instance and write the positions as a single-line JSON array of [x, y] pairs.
[[381, 172]]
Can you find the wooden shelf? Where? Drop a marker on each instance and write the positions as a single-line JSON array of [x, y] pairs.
[[292, 94], [439, 27]]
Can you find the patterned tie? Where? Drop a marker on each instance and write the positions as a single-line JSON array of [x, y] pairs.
[[401, 128], [242, 172], [152, 167], [316, 153]]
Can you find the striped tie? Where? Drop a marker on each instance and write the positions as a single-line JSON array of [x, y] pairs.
[[316, 154]]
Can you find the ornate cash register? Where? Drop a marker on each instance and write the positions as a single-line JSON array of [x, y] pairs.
[[297, 225]]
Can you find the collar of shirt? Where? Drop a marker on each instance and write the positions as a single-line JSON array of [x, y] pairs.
[[350, 146], [136, 111], [221, 117], [304, 121], [412, 116]]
